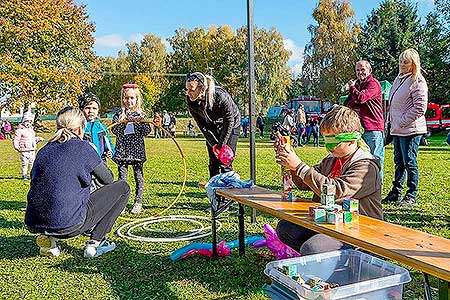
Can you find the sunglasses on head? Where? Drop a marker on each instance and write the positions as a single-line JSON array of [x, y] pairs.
[[195, 76]]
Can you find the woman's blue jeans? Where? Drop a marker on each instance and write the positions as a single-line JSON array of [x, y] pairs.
[[300, 133], [406, 149]]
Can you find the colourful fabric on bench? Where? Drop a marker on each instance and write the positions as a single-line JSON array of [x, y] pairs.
[[228, 179]]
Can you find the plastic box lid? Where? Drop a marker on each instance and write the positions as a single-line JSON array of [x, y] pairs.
[[356, 273]]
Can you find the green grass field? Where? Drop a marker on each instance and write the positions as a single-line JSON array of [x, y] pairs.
[[138, 270]]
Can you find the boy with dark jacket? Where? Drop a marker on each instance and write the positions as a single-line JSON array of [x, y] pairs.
[[350, 167]]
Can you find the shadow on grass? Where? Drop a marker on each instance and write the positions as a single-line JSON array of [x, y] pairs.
[[198, 195], [415, 218], [188, 206], [188, 183], [24, 246], [11, 224], [12, 204], [11, 177], [194, 206], [136, 275], [434, 149], [17, 247]]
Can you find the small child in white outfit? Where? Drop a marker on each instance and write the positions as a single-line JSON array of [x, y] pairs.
[[25, 141]]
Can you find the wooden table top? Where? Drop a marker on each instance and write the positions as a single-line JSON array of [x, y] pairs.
[[420, 250]]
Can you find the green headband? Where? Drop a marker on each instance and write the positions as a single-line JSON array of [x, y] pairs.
[[332, 141]]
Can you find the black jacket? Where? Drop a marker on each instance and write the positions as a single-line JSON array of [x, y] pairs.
[[130, 148], [216, 122]]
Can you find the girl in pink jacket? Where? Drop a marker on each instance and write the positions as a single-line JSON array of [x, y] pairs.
[[25, 141]]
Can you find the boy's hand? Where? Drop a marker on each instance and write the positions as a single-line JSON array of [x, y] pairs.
[[288, 158]]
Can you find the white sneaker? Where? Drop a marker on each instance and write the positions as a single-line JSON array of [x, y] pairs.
[[137, 208], [47, 245], [93, 249]]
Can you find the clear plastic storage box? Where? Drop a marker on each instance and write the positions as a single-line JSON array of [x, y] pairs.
[[359, 276]]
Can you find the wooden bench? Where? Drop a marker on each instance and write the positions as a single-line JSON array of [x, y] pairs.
[[425, 252]]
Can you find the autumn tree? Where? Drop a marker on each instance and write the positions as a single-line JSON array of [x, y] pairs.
[[223, 52], [115, 72], [46, 52], [390, 29], [272, 76], [144, 63], [434, 44], [150, 92], [213, 51], [331, 53], [296, 88]]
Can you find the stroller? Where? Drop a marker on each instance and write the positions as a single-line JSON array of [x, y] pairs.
[[277, 127]]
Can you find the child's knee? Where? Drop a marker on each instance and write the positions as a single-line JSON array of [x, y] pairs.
[[320, 243]]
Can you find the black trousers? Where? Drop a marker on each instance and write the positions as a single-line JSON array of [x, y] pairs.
[[103, 208], [215, 165], [138, 177], [261, 131]]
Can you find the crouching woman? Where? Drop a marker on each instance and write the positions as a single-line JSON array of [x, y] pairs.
[[60, 204]]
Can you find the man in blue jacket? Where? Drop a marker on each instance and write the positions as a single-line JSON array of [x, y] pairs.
[[95, 132]]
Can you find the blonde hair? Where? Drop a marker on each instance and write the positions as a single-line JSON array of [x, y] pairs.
[[412, 55], [68, 120], [138, 107], [210, 90], [341, 119]]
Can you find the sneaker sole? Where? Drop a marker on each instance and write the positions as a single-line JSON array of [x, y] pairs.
[[99, 253], [49, 252], [392, 200], [136, 209]]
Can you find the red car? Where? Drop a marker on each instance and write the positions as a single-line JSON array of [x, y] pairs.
[[438, 117], [433, 116], [445, 119]]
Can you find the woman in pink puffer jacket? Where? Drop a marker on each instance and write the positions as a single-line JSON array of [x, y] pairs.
[[408, 104], [25, 141]]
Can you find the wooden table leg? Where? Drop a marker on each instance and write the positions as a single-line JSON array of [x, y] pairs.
[[444, 290], [241, 230]]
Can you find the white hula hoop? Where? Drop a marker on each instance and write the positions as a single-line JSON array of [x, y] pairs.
[[143, 223]]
